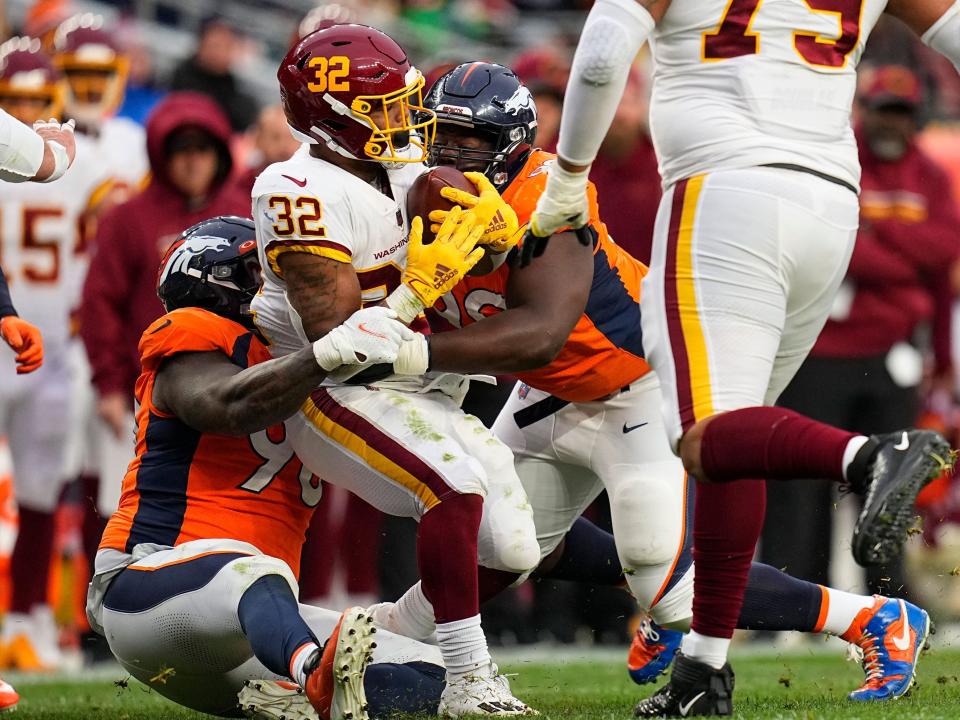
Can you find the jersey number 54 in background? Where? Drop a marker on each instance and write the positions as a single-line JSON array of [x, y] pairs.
[[329, 74], [733, 37]]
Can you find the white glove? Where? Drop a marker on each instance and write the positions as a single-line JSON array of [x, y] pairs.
[[413, 357], [59, 138], [371, 335], [563, 202]]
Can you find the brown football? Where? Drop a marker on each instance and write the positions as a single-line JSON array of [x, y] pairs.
[[424, 195]]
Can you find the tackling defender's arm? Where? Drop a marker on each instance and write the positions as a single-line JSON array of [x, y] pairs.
[[543, 306], [212, 394]]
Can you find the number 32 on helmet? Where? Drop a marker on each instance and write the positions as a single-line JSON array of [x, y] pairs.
[[352, 89]]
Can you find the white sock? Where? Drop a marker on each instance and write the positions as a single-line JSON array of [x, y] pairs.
[[705, 649], [302, 657], [463, 647], [853, 447], [412, 615], [841, 609]]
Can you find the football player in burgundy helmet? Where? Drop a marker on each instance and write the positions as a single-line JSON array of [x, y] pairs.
[[334, 233], [355, 92], [95, 69], [31, 88]]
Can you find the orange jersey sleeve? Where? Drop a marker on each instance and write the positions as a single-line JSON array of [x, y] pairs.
[[603, 353], [186, 485]]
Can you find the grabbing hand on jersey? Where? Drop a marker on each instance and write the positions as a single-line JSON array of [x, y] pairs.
[[369, 336], [432, 270], [25, 340], [501, 232]]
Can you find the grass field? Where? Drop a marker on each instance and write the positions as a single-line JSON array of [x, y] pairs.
[[795, 686]]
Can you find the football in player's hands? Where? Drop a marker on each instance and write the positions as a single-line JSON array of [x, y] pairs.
[[424, 196]]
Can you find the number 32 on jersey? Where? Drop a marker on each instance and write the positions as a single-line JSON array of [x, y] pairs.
[[733, 37]]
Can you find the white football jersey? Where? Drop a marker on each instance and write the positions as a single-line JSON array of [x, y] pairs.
[[122, 150], [740, 83], [41, 246], [308, 205]]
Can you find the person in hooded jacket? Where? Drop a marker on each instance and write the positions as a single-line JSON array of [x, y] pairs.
[[187, 143]]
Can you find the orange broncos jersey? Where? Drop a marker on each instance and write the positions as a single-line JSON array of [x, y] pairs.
[[603, 353], [186, 485]]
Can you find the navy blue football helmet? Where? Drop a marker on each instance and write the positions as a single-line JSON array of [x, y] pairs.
[[214, 266], [489, 102]]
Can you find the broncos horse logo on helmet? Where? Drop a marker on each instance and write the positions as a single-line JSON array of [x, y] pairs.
[[212, 265], [489, 99]]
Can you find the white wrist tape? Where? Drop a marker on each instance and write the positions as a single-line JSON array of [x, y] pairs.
[[413, 357], [944, 35], [326, 352], [61, 161], [405, 303], [612, 36]]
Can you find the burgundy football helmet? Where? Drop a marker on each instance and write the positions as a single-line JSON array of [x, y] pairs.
[[95, 68], [352, 88], [31, 88]]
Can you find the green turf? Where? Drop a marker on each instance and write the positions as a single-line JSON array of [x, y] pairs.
[[791, 686]]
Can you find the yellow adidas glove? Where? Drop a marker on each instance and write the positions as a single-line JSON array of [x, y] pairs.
[[500, 221], [432, 270]]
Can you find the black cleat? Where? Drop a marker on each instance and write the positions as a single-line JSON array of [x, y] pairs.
[[694, 689], [901, 464]]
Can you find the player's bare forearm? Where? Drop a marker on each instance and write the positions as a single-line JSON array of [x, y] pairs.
[[324, 292], [543, 306], [509, 342], [211, 394], [918, 15]]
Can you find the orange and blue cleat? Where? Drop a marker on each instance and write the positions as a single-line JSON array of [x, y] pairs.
[[651, 651], [891, 635]]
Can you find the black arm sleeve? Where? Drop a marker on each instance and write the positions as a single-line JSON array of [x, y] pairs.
[[6, 304]]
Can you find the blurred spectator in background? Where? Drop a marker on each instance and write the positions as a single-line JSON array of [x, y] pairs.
[[43, 18], [549, 102], [545, 64], [544, 71], [211, 71], [625, 173], [865, 370], [272, 143], [187, 141], [143, 90]]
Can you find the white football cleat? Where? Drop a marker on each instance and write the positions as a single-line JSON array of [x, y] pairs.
[[275, 700], [483, 693]]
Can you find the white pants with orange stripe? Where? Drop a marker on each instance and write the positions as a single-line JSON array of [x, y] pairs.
[[404, 452], [568, 453], [188, 644], [745, 267]]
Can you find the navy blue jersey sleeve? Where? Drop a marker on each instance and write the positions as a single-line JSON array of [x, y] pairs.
[[6, 304]]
